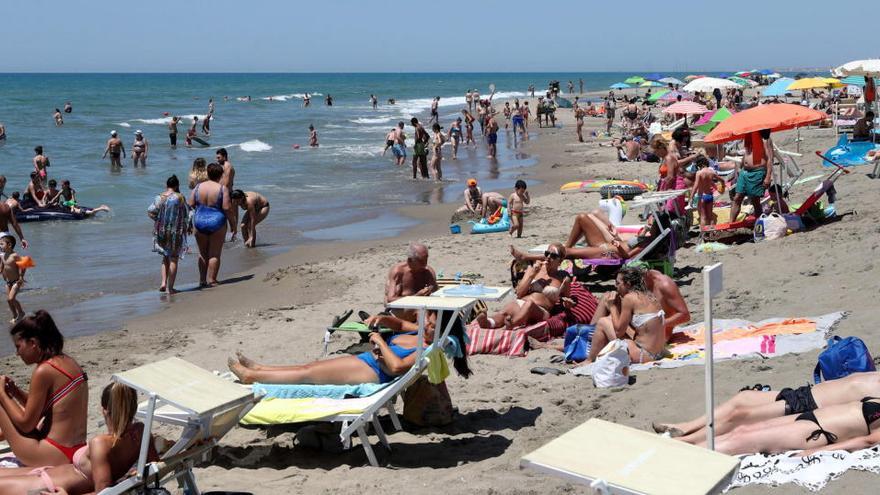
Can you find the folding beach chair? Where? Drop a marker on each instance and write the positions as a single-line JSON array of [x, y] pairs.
[[617, 460], [356, 414], [183, 395]]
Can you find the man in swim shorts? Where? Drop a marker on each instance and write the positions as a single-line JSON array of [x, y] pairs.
[[116, 150], [420, 149], [413, 277], [754, 175], [492, 134], [398, 147], [41, 164], [172, 131]]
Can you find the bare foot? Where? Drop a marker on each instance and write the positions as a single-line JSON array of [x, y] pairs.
[[172, 290], [661, 428], [245, 361], [161, 288], [516, 253], [238, 370]]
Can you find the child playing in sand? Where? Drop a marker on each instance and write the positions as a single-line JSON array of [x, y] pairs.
[[515, 205], [13, 273], [702, 189]]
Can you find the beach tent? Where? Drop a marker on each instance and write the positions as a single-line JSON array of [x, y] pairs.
[[620, 86], [671, 80], [776, 117], [778, 87], [707, 84], [656, 96], [635, 80], [651, 84], [709, 120], [686, 108]]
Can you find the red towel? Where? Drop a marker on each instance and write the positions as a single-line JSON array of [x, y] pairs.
[[510, 343]]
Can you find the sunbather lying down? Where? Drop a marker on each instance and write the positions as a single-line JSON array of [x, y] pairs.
[[388, 359], [533, 308], [753, 406]]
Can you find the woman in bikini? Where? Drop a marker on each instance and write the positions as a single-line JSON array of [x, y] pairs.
[[47, 424], [468, 127], [437, 148], [851, 426], [532, 308], [631, 313], [213, 211], [96, 466], [392, 355]]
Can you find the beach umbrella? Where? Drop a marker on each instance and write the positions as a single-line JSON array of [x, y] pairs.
[[654, 76], [870, 68], [853, 80], [776, 117], [620, 86], [686, 107], [775, 75], [765, 72], [778, 87], [708, 121], [814, 83], [740, 81], [673, 96], [671, 80], [634, 80], [743, 73], [692, 77], [651, 84], [708, 84], [656, 96]]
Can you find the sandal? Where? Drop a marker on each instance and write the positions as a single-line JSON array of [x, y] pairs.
[[340, 319], [363, 315], [543, 370]]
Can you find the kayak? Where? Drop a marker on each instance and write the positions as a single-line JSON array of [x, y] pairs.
[[594, 185]]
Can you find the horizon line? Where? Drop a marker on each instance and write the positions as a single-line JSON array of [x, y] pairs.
[[623, 71]]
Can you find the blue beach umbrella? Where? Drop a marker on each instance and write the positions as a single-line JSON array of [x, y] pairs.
[[854, 80], [779, 87], [620, 86], [654, 76]]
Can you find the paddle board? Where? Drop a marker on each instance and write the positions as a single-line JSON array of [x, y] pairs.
[[593, 185], [201, 141]]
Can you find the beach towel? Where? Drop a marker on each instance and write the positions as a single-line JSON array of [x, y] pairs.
[[305, 391], [510, 343], [812, 472], [741, 339], [286, 411]]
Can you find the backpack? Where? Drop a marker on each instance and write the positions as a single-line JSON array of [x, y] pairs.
[[577, 342], [842, 357]]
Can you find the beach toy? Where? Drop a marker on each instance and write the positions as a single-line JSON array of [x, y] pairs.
[[25, 262], [711, 247], [493, 218], [484, 227], [455, 229]]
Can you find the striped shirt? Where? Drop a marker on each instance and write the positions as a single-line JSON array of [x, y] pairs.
[[585, 304]]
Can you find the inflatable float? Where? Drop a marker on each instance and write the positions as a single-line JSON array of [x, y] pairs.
[[200, 141], [485, 227], [848, 153], [50, 214], [594, 185]]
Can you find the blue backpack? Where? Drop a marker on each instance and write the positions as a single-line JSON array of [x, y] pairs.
[[577, 342], [842, 357]]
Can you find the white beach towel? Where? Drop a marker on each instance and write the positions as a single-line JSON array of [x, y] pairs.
[[812, 472]]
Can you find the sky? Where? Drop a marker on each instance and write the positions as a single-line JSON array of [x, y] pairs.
[[423, 36]]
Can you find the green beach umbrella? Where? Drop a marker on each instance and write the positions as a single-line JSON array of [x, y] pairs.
[[656, 96], [719, 116], [635, 80], [651, 84], [740, 81]]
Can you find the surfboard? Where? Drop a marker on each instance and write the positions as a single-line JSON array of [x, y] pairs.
[[593, 185], [201, 141]]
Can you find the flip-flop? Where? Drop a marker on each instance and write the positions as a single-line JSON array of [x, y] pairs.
[[340, 319], [543, 370], [363, 315]]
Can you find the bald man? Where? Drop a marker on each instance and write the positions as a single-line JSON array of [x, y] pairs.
[[412, 277]]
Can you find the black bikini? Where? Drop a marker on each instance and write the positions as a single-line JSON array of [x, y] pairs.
[[870, 413]]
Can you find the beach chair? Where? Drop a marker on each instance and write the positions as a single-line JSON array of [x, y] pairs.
[[355, 415], [180, 394], [616, 459]]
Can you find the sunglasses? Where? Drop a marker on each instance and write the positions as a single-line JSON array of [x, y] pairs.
[[552, 255]]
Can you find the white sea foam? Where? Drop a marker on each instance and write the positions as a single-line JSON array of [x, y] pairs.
[[417, 105], [254, 145], [376, 120], [123, 124]]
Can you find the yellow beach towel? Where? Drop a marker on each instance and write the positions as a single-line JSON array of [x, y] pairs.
[[284, 411]]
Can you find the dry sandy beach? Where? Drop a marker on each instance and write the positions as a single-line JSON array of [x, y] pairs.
[[277, 313]]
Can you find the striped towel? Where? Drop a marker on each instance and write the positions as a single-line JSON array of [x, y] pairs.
[[510, 343]]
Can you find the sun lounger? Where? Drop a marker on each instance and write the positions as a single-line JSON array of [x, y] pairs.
[[183, 395], [356, 414], [624, 460]]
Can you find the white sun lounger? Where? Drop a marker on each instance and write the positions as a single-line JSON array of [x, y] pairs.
[[623, 460], [181, 394]]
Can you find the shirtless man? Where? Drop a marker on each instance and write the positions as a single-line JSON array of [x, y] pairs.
[[59, 120], [307, 100], [256, 208], [206, 123], [412, 277], [7, 219], [469, 98], [222, 158], [191, 133], [211, 106], [507, 112], [492, 135], [435, 116], [116, 149], [41, 162], [374, 101], [172, 131], [399, 146], [313, 136]]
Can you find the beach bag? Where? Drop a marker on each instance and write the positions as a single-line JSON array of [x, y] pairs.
[[842, 357], [577, 342], [611, 368], [426, 404], [769, 227]]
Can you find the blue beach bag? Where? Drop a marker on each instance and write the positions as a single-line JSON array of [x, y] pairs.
[[577, 342], [842, 357]]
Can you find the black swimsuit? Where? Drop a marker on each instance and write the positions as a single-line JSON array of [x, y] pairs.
[[870, 413]]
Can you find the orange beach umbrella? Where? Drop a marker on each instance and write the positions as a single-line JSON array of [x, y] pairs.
[[776, 117]]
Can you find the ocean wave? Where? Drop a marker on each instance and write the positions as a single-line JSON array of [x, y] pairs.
[[123, 124], [254, 145], [167, 120], [368, 120], [353, 149]]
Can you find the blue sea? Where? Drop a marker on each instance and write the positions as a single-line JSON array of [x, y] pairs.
[[95, 273]]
